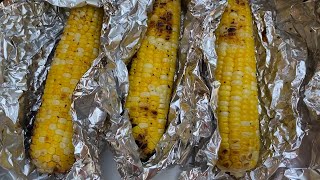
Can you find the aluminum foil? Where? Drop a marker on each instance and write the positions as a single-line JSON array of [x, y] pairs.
[[9, 2], [98, 107], [97, 102], [74, 3], [311, 32], [287, 36], [28, 33]]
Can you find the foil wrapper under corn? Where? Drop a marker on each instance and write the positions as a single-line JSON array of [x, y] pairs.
[[100, 96], [288, 110], [74, 3], [287, 53], [29, 32]]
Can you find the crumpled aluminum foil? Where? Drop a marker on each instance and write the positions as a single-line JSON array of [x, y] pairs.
[[5, 3], [74, 3], [311, 33], [287, 38], [98, 107], [29, 16], [29, 31]]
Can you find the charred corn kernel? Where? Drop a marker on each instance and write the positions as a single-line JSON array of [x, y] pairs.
[[237, 97], [151, 75], [51, 147]]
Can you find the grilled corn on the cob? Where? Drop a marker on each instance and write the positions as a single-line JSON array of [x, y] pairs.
[[237, 97], [151, 75], [51, 147]]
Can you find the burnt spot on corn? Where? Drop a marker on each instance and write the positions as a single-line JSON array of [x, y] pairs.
[[225, 151], [132, 124], [226, 164], [235, 152], [142, 142], [154, 112], [162, 24], [232, 31], [141, 136], [241, 2], [139, 143], [162, 4], [64, 96], [151, 153], [143, 146], [148, 111]]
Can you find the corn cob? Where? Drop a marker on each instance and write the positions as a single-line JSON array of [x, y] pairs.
[[151, 76], [237, 97], [51, 144]]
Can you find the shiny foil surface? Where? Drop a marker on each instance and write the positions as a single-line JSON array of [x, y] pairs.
[[74, 3]]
